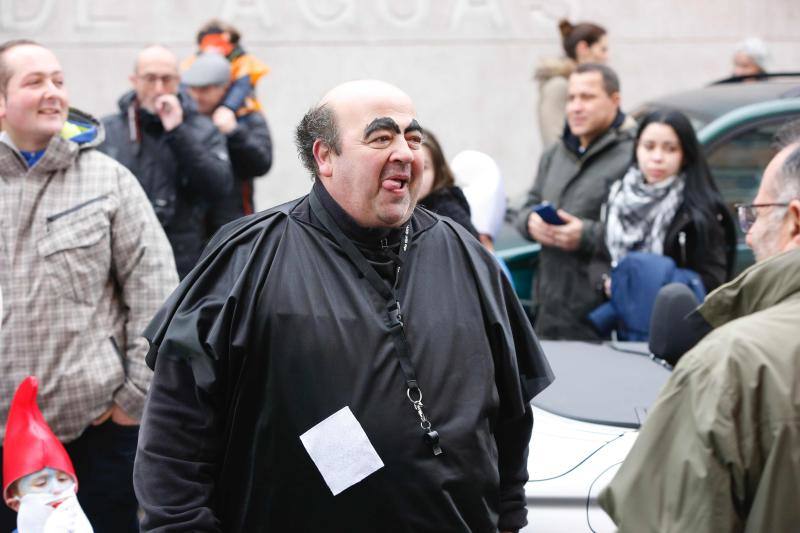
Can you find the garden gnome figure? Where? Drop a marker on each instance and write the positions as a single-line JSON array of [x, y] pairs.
[[39, 480]]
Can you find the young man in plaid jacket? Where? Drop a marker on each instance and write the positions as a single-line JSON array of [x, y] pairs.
[[84, 264]]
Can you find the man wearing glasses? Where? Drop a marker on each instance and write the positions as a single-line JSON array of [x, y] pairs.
[[718, 451], [178, 155]]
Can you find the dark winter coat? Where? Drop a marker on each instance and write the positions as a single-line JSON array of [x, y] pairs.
[[563, 291], [250, 150], [715, 260], [276, 330], [182, 171], [451, 202]]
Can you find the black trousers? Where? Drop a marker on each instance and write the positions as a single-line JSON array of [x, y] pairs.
[[103, 459]]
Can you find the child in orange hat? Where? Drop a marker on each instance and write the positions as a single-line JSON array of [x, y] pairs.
[[222, 38]]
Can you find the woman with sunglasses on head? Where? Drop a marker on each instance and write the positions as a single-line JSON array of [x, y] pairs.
[[668, 204]]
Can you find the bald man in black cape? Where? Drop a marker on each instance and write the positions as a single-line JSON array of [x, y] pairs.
[[290, 365]]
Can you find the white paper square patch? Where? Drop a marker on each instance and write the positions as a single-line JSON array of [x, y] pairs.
[[341, 450]]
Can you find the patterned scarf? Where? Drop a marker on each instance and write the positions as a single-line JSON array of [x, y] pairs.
[[639, 213]]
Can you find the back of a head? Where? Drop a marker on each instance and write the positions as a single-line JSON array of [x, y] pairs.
[[674, 326], [480, 178], [209, 68], [572, 34], [755, 49], [215, 26]]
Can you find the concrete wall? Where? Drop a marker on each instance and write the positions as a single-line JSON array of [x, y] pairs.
[[466, 63]]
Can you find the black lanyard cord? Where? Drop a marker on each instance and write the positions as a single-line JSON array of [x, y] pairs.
[[393, 311]]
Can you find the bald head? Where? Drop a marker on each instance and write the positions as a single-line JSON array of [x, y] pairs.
[[321, 121], [155, 73], [359, 91], [155, 54], [363, 142]]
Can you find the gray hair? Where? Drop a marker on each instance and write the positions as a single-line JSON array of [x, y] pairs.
[[755, 49], [787, 134], [318, 123], [787, 180]]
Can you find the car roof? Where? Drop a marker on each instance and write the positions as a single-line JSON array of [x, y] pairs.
[[705, 104], [611, 383]]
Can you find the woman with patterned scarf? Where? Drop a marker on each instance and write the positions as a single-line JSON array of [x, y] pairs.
[[668, 204]]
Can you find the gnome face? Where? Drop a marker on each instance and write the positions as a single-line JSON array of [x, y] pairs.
[[34, 460], [46, 503], [52, 486]]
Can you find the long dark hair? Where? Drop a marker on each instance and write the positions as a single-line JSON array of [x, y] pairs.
[[701, 197], [442, 175], [572, 34]]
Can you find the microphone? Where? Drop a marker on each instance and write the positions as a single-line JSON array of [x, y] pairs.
[[675, 325]]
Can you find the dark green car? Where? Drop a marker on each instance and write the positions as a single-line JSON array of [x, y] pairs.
[[736, 124]]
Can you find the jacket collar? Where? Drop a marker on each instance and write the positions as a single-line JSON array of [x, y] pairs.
[[573, 143], [59, 154], [761, 286]]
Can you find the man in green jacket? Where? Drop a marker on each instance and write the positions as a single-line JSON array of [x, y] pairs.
[[574, 176], [720, 449]]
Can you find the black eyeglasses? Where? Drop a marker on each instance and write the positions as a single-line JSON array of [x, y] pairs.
[[748, 213]]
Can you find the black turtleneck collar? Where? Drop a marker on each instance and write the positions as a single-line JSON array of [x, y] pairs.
[[364, 237]]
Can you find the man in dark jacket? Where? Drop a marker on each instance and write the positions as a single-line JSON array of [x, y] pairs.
[[249, 144], [178, 155], [575, 176], [279, 364]]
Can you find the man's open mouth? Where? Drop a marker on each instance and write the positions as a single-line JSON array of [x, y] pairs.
[[395, 183]]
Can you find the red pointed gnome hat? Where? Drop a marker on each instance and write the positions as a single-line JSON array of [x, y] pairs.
[[30, 444]]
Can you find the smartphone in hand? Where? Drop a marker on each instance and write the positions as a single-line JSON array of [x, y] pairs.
[[548, 213]]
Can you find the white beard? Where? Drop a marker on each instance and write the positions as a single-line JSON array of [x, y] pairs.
[[37, 516]]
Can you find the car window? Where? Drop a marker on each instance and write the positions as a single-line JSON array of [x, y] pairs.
[[739, 159]]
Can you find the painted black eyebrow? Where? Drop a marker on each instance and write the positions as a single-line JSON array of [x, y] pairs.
[[414, 126], [382, 123]]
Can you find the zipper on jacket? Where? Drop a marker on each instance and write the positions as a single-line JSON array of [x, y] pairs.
[[115, 346], [682, 243], [51, 218]]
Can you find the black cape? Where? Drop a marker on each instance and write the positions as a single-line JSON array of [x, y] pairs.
[[275, 330]]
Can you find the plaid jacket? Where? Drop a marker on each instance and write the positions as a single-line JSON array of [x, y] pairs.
[[84, 264]]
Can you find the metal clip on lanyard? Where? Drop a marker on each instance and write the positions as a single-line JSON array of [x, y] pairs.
[[393, 312]]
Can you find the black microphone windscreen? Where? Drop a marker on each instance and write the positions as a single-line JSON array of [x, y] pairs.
[[675, 326]]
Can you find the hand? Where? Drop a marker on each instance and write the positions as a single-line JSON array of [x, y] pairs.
[[486, 241], [567, 236], [539, 230], [169, 110], [117, 415], [224, 119]]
